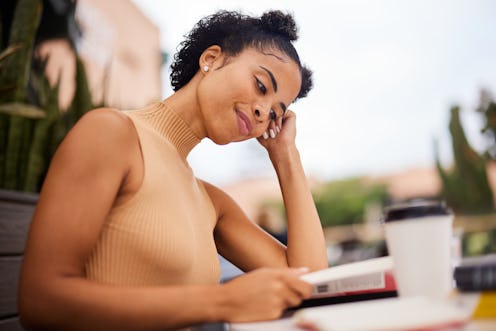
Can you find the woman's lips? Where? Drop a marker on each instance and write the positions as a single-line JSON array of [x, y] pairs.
[[244, 123]]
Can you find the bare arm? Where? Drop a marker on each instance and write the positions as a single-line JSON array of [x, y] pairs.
[[249, 247], [240, 240], [98, 163], [306, 243]]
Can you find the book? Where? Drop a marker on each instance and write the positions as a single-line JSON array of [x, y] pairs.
[[486, 305], [357, 281], [476, 274], [410, 313], [480, 304]]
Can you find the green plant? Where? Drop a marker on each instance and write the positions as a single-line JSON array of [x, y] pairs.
[[31, 121], [344, 201], [465, 188], [487, 107], [479, 243]]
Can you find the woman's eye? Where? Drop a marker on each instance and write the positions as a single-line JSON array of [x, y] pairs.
[[261, 87], [273, 115]]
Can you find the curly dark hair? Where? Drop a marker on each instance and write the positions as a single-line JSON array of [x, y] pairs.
[[233, 32]]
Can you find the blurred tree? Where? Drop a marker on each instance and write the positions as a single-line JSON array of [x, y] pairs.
[[465, 188], [344, 201], [487, 107]]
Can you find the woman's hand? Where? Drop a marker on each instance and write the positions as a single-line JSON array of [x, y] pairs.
[[281, 132], [264, 294]]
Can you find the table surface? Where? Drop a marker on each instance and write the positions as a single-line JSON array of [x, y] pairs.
[[465, 302], [286, 324]]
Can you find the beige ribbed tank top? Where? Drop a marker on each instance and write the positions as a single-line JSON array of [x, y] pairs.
[[163, 235]]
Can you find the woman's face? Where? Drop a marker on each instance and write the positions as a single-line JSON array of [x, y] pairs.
[[237, 94]]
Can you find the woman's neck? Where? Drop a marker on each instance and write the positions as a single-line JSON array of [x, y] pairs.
[[184, 103]]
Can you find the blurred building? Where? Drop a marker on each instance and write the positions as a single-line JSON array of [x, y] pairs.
[[120, 48], [253, 194]]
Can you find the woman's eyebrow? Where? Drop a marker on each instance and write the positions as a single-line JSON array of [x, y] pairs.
[[274, 85], [272, 78]]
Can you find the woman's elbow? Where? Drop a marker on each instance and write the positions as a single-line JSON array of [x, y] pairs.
[[32, 308], [27, 312]]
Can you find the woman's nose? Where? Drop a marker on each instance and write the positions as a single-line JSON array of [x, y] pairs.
[[263, 114]]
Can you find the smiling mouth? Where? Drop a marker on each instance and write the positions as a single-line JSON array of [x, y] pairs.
[[244, 123]]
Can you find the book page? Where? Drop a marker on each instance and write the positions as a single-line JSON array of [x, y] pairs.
[[376, 265], [386, 314]]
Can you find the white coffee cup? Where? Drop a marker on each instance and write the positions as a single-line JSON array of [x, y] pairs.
[[418, 236]]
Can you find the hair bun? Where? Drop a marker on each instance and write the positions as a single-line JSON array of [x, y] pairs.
[[277, 22]]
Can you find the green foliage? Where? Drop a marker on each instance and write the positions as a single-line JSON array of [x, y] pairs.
[[31, 122], [37, 154], [15, 69], [344, 201], [23, 31], [479, 243], [465, 188], [487, 108]]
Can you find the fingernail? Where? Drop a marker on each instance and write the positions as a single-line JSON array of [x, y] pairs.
[[272, 133], [265, 135], [278, 129]]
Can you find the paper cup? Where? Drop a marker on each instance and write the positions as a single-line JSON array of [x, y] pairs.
[[419, 240]]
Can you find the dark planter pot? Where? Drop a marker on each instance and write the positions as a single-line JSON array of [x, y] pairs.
[[16, 211]]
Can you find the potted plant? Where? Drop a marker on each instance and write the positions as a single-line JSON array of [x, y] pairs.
[[31, 121]]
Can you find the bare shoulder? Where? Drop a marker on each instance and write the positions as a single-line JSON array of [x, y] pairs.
[[104, 130], [102, 138], [105, 121]]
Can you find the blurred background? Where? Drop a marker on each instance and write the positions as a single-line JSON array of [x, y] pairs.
[[402, 106]]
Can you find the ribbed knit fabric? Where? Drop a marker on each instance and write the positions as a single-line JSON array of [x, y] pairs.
[[163, 235]]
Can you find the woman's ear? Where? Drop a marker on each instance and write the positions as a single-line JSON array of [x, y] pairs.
[[210, 58]]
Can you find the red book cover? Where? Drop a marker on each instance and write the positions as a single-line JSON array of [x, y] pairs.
[[368, 276], [357, 281]]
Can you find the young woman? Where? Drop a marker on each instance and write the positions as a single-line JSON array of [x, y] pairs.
[[125, 237]]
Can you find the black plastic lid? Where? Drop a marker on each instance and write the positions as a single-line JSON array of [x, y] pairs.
[[415, 209]]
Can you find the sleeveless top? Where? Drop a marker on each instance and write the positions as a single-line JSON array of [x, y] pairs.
[[163, 235]]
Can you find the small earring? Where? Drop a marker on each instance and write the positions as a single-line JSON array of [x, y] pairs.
[[205, 68]]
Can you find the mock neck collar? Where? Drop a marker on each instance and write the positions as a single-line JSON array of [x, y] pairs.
[[171, 126]]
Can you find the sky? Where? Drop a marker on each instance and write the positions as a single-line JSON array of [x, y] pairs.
[[386, 73]]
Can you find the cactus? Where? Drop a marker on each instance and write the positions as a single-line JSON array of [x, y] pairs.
[[25, 23], [465, 188], [23, 32], [30, 121], [36, 162], [487, 108], [81, 103]]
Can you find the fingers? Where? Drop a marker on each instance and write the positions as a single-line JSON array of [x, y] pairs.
[[272, 130], [294, 290], [264, 294], [300, 287], [279, 124], [275, 126], [288, 281], [289, 113], [299, 271]]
